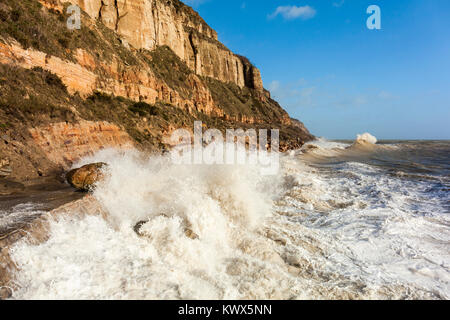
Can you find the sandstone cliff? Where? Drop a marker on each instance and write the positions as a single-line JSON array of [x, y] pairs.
[[133, 73], [147, 24]]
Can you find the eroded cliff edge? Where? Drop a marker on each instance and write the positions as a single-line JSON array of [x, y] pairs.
[[133, 73]]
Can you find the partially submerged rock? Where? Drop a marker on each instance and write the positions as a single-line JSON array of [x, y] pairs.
[[187, 229], [190, 234], [137, 227], [86, 177]]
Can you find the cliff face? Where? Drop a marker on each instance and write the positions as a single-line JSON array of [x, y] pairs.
[[147, 24], [136, 71], [65, 143], [87, 75]]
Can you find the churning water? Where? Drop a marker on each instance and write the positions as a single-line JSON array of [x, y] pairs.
[[340, 221]]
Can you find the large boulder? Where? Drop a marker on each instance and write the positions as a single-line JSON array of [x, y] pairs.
[[84, 178]]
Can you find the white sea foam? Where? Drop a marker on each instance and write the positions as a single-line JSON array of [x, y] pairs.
[[325, 144], [19, 213], [366, 137], [223, 205], [311, 232]]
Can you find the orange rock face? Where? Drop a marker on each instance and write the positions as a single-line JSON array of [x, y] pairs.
[[74, 76], [148, 24], [65, 143], [138, 84]]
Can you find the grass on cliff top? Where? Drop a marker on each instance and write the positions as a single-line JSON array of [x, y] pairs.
[[34, 26], [25, 95]]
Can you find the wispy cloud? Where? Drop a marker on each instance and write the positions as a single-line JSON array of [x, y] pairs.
[[326, 92], [274, 86], [294, 12], [338, 4], [386, 95], [296, 93]]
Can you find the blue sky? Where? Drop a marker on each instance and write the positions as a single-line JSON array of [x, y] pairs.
[[326, 68]]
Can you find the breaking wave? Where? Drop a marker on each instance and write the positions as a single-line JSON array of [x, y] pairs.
[[366, 138], [334, 224]]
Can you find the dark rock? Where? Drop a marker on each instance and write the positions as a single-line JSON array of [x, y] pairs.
[[190, 234], [187, 230], [137, 227]]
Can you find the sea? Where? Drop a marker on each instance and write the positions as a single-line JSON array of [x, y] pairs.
[[361, 219]]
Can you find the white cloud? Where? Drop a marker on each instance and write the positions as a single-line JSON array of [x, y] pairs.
[[274, 86], [294, 12], [327, 92]]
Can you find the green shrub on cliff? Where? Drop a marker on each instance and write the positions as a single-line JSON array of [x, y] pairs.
[[29, 94], [143, 109]]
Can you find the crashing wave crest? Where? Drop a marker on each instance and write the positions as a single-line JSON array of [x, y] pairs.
[[366, 138]]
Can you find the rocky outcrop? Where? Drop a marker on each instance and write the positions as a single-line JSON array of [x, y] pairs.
[[86, 76], [74, 75], [84, 178], [147, 24], [66, 143], [114, 68], [49, 150], [136, 71]]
